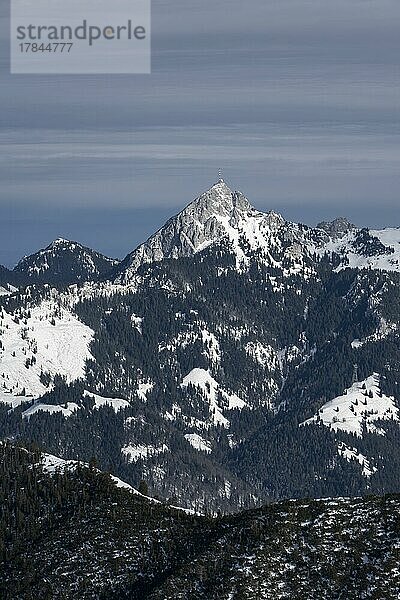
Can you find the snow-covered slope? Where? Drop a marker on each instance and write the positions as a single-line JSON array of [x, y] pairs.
[[54, 464], [116, 404], [213, 394], [352, 454], [67, 409], [198, 443], [38, 344], [361, 406], [64, 261], [7, 289], [134, 453], [367, 249]]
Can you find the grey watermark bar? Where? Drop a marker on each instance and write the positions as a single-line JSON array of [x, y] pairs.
[[80, 36]]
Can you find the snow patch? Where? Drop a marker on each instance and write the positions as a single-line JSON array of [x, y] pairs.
[[53, 464], [196, 332], [137, 322], [134, 453], [361, 405], [66, 410], [387, 260], [203, 379], [356, 344], [350, 454], [116, 403], [198, 443], [143, 389], [264, 355], [7, 290]]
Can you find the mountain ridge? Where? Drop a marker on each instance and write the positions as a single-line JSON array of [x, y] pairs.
[[78, 535], [222, 214], [216, 216], [64, 261]]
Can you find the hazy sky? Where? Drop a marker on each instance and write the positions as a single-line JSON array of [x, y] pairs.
[[296, 100]]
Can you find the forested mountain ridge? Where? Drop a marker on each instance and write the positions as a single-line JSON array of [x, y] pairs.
[[73, 533], [218, 361], [8, 281], [64, 262]]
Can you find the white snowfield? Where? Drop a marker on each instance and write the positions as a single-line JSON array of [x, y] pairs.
[[8, 290], [361, 405], [67, 409], [350, 453], [206, 383], [134, 453], [116, 404], [49, 339], [198, 443]]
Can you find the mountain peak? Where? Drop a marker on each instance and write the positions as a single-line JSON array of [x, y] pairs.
[[60, 242], [219, 189], [218, 200], [64, 261], [217, 214], [336, 228]]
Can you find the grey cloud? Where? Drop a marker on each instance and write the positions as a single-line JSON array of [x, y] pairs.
[[298, 101]]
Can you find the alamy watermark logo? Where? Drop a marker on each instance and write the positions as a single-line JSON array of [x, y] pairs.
[[80, 36]]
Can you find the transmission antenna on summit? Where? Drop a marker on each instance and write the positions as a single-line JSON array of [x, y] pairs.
[[220, 176]]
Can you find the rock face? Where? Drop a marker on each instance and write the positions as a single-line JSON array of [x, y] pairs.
[[200, 224], [336, 228]]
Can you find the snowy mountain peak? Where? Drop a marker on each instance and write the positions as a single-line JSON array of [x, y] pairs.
[[61, 244], [218, 200], [219, 214]]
